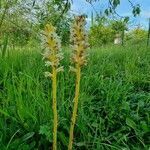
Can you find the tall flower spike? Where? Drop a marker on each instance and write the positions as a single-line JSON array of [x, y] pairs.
[[52, 56], [79, 45], [79, 41], [52, 45]]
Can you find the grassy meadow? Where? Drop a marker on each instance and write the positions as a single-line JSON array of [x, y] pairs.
[[114, 106]]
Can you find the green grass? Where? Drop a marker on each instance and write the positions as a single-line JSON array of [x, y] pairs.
[[114, 109]]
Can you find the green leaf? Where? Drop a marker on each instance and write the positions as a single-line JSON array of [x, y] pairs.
[[125, 106], [4, 113], [107, 12], [79, 144], [144, 126], [63, 138], [28, 136], [126, 19], [131, 123], [46, 130], [116, 3], [43, 129]]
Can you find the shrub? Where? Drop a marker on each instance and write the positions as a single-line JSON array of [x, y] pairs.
[[100, 35], [137, 35]]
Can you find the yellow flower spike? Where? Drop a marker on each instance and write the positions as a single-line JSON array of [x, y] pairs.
[[79, 45], [49, 28], [52, 55]]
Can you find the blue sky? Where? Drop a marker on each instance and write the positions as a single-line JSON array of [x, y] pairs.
[[124, 9]]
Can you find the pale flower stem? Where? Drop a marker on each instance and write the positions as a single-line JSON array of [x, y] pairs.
[[75, 107], [55, 121], [52, 55]]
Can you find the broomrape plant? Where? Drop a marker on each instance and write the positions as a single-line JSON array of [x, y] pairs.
[[52, 55], [79, 46]]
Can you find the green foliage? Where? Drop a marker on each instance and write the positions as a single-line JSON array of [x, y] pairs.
[[100, 35], [113, 4], [63, 29], [114, 111], [104, 30], [15, 25], [47, 131], [136, 10], [22, 19], [119, 26], [137, 35]]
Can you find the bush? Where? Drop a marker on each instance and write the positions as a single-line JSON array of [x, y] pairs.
[[137, 35], [100, 35]]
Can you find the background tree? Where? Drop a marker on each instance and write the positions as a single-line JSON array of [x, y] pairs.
[[101, 32], [113, 4], [137, 35], [23, 19], [119, 27]]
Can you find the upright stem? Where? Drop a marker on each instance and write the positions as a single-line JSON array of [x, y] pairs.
[[75, 107], [54, 86]]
